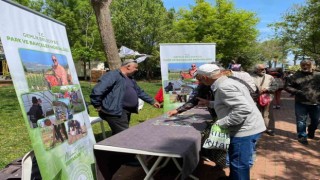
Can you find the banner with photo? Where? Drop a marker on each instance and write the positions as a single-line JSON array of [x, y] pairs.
[[42, 70], [179, 62]]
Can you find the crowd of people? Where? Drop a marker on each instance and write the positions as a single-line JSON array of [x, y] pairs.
[[227, 95]]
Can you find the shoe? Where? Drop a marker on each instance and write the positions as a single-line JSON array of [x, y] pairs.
[[277, 107], [303, 140], [310, 133], [270, 132], [274, 107]]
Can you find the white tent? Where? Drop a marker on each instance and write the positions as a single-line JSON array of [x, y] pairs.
[[125, 52]]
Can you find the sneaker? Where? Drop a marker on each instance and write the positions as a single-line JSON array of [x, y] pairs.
[[303, 140], [270, 132], [274, 107]]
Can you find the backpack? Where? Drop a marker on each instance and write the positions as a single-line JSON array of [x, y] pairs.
[[254, 94], [17, 169]]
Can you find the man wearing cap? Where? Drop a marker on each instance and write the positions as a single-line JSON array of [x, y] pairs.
[[236, 111], [116, 94]]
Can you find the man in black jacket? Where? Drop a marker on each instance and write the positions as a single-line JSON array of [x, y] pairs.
[[305, 85], [116, 95], [35, 112]]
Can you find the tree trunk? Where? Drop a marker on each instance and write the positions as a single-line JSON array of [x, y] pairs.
[[103, 15], [85, 69], [295, 59]]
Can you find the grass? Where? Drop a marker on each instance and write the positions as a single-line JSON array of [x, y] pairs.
[[14, 137]]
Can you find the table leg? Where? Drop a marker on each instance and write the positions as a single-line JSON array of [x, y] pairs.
[[179, 167], [145, 168]]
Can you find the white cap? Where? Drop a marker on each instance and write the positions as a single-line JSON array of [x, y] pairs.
[[208, 70]]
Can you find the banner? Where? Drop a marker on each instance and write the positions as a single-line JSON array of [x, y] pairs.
[[42, 70], [179, 62]]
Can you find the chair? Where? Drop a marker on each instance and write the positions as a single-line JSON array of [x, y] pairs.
[[27, 165], [94, 120]]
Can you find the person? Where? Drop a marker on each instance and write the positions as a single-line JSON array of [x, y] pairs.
[[203, 96], [190, 73], [193, 70], [116, 94], [169, 87], [266, 85], [35, 112], [304, 85], [206, 95], [237, 112], [59, 72], [234, 66], [278, 77]]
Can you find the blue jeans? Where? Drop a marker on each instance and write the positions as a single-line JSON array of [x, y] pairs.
[[241, 152], [254, 151], [302, 111]]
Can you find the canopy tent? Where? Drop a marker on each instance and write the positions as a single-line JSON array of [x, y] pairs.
[[125, 52]]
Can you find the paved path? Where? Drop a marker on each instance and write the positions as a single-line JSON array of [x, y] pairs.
[[280, 157]]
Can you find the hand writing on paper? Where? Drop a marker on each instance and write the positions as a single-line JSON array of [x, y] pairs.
[[203, 102]]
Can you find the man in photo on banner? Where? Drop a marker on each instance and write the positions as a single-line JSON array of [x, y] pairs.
[[59, 72]]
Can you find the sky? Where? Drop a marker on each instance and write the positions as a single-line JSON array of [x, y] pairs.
[[268, 11]]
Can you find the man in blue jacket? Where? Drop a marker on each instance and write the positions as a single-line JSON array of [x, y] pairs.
[[116, 95]]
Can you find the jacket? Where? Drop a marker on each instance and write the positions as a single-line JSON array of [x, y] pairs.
[[235, 108], [108, 93], [269, 83], [305, 86]]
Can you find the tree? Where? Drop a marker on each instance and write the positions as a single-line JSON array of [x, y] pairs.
[[232, 30], [300, 27], [141, 25], [273, 51], [88, 44], [81, 27], [103, 16]]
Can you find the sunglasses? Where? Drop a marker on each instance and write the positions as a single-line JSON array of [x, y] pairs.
[[193, 66], [54, 60]]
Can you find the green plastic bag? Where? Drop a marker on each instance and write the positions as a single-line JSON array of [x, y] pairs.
[[219, 138]]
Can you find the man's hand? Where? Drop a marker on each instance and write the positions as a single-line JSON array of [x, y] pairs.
[[157, 105], [172, 112], [203, 102]]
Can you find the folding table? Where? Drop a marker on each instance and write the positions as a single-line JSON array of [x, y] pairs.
[[162, 137]]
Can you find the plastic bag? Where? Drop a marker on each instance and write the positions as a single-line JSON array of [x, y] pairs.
[[219, 138]]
